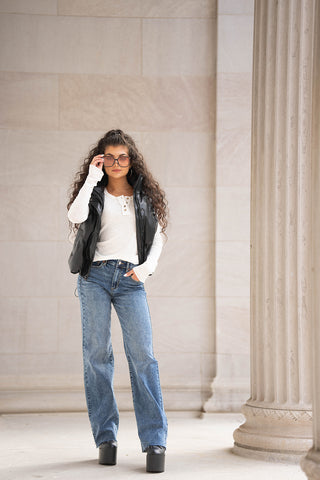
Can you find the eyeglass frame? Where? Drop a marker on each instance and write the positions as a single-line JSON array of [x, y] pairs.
[[117, 160]]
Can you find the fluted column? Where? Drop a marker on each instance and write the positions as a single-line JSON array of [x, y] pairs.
[[278, 414], [311, 463]]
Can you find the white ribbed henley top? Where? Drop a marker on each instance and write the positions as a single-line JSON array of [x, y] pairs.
[[117, 239]]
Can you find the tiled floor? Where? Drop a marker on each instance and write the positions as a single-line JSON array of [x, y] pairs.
[[60, 446]]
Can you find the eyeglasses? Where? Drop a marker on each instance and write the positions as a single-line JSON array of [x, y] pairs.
[[123, 160]]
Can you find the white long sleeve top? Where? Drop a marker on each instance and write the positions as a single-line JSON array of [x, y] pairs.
[[117, 238]]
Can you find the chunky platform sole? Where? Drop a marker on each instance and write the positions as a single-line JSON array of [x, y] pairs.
[[108, 453], [155, 462]]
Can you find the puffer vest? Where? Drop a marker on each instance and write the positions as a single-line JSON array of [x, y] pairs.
[[84, 246]]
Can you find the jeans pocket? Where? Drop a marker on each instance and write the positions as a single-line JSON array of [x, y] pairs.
[[135, 281]]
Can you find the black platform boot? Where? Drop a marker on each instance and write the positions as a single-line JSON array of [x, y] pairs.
[[108, 453], [155, 459]]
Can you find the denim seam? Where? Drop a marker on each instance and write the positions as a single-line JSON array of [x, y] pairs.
[[83, 306]]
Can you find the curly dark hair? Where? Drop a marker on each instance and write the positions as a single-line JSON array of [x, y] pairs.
[[149, 185]]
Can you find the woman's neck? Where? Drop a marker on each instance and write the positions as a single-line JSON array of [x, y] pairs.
[[119, 186]]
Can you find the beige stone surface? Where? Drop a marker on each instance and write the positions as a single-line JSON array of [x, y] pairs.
[[236, 7], [38, 204], [311, 462], [94, 45], [233, 219], [178, 318], [136, 103], [180, 159], [138, 8], [230, 385], [232, 274], [234, 107], [70, 71], [29, 101], [61, 445], [235, 56], [278, 413], [39, 7], [41, 326], [233, 335], [186, 39]]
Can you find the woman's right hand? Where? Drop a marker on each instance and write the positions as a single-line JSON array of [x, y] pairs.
[[97, 161]]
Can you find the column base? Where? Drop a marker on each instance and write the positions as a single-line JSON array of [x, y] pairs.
[[310, 464], [272, 434], [228, 395]]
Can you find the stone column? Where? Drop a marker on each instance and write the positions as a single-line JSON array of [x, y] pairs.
[[278, 414], [311, 463]]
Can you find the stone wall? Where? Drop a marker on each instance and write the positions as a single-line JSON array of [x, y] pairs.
[[70, 71]]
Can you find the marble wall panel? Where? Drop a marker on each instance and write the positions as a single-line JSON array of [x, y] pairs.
[[182, 324], [235, 38], [67, 284], [29, 213], [41, 326], [136, 103], [234, 107], [29, 100], [185, 269], [41, 7], [32, 157], [53, 44], [180, 369], [69, 325], [233, 331], [234, 365], [69, 80], [180, 159], [63, 231], [233, 214], [233, 269], [233, 157], [33, 273], [36, 369], [138, 8], [100, 8], [198, 217], [177, 43], [13, 314], [36, 383], [179, 8], [208, 369], [236, 7], [233, 129]]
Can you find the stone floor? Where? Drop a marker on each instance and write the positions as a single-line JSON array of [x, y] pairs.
[[60, 446]]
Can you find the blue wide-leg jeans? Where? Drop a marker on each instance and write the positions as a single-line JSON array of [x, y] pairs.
[[106, 285]]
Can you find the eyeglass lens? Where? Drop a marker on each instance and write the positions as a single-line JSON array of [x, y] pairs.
[[109, 160]]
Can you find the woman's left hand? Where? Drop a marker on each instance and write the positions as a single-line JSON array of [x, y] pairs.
[[130, 273]]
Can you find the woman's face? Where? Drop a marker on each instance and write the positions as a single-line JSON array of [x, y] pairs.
[[115, 170]]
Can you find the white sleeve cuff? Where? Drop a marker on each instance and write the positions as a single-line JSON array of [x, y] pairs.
[[142, 272], [95, 174], [149, 266]]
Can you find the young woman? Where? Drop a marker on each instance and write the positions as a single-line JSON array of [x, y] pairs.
[[118, 216]]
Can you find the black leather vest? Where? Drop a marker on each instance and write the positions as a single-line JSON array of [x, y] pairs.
[[84, 246]]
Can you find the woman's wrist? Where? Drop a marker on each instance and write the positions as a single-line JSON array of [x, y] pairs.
[[95, 174], [142, 272]]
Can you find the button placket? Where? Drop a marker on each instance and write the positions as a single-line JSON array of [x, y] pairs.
[[124, 202]]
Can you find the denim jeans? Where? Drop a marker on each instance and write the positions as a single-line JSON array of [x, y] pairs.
[[106, 285]]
